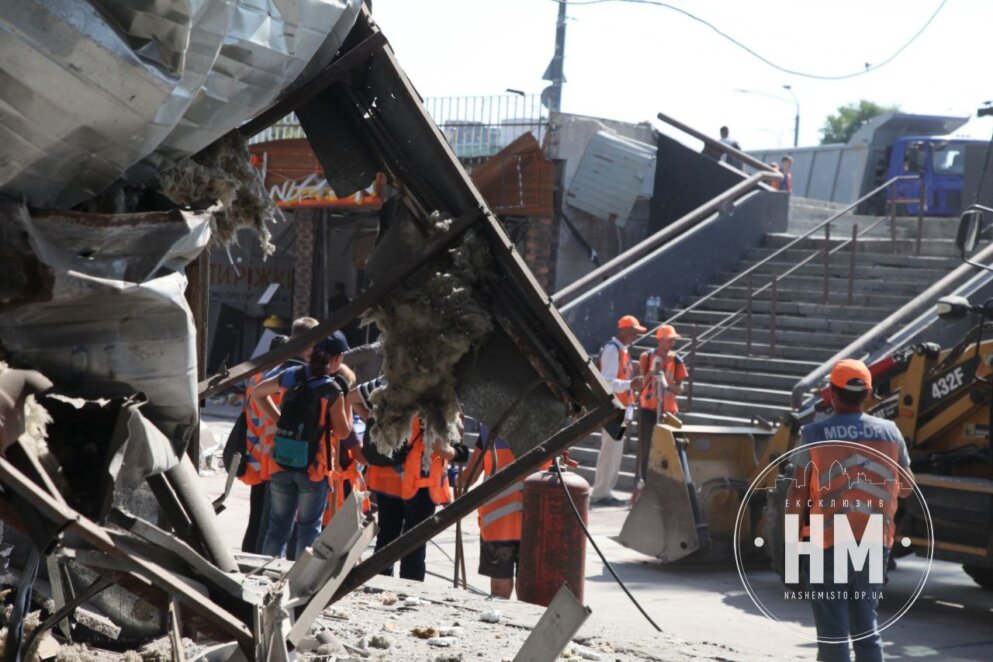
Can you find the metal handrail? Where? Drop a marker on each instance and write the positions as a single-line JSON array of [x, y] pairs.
[[780, 251], [884, 328], [717, 144], [666, 234]]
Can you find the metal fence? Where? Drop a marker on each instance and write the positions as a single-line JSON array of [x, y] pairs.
[[475, 127]]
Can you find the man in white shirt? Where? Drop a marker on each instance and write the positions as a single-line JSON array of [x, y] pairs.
[[619, 372]]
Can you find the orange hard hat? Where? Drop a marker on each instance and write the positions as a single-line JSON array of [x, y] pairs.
[[851, 375], [630, 322], [667, 331]]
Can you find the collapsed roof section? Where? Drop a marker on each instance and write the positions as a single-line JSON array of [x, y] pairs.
[[95, 88]]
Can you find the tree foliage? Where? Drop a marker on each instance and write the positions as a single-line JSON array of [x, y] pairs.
[[841, 126]]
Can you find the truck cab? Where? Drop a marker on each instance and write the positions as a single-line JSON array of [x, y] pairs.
[[939, 161]]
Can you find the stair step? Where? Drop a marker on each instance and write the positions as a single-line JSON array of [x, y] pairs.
[[856, 313], [817, 354], [935, 247], [700, 418], [762, 335], [787, 293], [841, 324], [838, 266], [812, 284], [734, 391], [794, 255], [734, 408], [625, 480], [587, 457], [755, 364], [743, 378]]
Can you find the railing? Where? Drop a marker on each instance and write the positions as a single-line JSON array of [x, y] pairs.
[[479, 127], [870, 340], [765, 173], [697, 342]]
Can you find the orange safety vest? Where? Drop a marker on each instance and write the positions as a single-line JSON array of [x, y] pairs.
[[673, 369], [336, 495], [258, 429], [625, 370], [500, 517], [842, 479], [389, 480], [413, 469]]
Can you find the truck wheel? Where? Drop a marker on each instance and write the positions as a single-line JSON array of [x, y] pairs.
[[982, 575]]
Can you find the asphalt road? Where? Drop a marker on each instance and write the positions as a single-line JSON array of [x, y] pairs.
[[951, 620]]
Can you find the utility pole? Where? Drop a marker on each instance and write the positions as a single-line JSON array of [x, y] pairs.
[[796, 117], [551, 96]]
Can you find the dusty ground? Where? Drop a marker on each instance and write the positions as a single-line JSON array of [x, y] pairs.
[[703, 610]]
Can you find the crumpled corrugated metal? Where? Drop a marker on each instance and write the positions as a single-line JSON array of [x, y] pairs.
[[107, 315], [91, 89]]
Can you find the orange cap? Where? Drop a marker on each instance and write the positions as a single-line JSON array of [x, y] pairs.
[[630, 322], [667, 331], [851, 375]]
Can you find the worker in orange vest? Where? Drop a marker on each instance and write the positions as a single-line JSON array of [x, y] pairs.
[[409, 483], [663, 373], [855, 480], [499, 518], [618, 370]]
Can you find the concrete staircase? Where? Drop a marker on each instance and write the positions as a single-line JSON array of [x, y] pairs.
[[732, 385]]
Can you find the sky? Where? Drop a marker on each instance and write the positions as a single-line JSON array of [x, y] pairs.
[[628, 61]]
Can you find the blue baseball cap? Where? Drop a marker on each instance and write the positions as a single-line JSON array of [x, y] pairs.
[[334, 344]]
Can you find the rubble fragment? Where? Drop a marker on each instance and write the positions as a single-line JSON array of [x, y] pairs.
[[424, 633], [443, 642], [428, 325], [224, 171], [379, 641], [493, 616]]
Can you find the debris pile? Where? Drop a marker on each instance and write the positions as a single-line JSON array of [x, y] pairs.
[[428, 326]]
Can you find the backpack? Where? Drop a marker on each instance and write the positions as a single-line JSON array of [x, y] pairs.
[[235, 445], [299, 431]]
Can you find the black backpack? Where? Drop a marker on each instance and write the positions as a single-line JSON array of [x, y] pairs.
[[299, 431], [237, 445]]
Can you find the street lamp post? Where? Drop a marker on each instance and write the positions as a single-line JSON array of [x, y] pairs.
[[796, 118]]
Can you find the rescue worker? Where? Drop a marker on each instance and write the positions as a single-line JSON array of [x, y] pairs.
[[499, 518], [302, 489], [617, 368], [662, 360], [785, 165], [258, 435], [843, 479], [409, 483]]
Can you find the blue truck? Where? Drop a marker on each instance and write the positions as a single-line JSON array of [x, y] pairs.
[[884, 147]]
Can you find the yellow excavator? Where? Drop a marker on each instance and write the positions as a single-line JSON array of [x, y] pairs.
[[939, 398]]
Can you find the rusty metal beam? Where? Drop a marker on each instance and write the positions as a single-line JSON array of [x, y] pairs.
[[359, 305], [64, 517], [454, 512]]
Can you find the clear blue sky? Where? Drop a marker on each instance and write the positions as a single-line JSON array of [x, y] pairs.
[[628, 61]]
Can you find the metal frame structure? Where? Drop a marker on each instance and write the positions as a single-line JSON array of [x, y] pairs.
[[362, 116]]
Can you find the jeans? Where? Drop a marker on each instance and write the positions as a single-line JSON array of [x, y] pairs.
[[258, 519], [846, 615], [647, 418], [397, 516], [293, 493]]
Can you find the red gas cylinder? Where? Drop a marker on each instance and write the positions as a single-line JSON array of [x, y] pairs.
[[553, 547]]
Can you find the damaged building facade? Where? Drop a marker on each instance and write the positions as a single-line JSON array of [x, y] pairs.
[[125, 160]]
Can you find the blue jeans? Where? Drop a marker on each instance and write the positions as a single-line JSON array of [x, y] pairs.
[[293, 493], [847, 613]]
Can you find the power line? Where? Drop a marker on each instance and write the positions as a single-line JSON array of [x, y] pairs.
[[793, 72]]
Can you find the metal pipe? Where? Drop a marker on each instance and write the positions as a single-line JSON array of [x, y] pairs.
[[689, 390], [748, 317], [565, 296], [827, 263], [718, 145], [772, 315], [885, 328], [920, 216], [184, 481], [851, 263], [893, 223]]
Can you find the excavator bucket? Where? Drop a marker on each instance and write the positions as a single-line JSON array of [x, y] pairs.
[[664, 521], [697, 477]]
